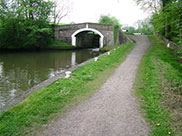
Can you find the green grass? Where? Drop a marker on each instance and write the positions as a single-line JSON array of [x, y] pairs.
[[158, 73], [47, 104], [60, 45], [108, 48]]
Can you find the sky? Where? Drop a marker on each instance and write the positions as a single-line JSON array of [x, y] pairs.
[[90, 10]]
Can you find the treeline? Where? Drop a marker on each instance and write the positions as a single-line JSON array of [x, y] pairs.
[[166, 17], [168, 20], [141, 26], [25, 23]]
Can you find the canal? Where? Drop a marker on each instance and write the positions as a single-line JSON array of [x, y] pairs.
[[21, 71]]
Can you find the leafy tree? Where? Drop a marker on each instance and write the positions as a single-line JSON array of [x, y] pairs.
[[141, 26], [108, 19], [167, 19], [24, 23], [173, 22], [144, 26]]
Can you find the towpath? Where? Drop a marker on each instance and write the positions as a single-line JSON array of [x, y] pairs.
[[113, 110]]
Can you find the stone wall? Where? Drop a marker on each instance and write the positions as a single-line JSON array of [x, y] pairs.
[[122, 38]]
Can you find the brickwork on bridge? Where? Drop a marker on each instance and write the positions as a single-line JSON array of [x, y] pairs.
[[69, 33]]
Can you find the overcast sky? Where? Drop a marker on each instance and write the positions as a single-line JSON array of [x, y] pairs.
[[90, 10]]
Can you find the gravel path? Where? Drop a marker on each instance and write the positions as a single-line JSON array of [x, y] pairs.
[[112, 111]]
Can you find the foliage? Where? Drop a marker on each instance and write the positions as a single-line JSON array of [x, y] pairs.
[[172, 19], [166, 18], [48, 103], [130, 29], [24, 24], [143, 27], [151, 6], [157, 72], [108, 19]]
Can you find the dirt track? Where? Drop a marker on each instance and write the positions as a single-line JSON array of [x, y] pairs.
[[112, 111]]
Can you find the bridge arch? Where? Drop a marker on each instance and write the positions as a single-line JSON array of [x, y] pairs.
[[101, 40]]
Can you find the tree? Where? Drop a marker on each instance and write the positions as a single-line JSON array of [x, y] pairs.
[[167, 19], [108, 19], [60, 10], [25, 23], [151, 6], [130, 29], [144, 26]]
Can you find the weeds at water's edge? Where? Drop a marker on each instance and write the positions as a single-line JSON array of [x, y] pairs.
[[50, 102], [158, 87]]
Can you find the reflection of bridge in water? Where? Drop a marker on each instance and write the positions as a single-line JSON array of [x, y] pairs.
[[73, 59]]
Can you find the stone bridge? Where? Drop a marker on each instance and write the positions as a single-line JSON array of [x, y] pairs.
[[87, 35]]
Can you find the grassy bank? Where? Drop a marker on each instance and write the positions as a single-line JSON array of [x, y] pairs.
[[159, 88], [55, 45], [48, 103], [108, 48], [60, 45]]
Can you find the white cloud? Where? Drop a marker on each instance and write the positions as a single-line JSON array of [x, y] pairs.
[[90, 10]]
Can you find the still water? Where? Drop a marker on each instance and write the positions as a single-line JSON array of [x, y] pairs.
[[21, 71]]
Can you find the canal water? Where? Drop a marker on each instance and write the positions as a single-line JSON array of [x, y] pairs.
[[21, 71]]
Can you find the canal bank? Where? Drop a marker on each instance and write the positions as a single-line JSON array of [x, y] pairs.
[[48, 103], [75, 61], [20, 71]]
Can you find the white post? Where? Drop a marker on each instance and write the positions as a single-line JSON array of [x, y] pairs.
[[67, 74], [96, 58], [168, 45]]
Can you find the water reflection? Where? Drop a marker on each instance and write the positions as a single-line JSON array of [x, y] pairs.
[[73, 58], [22, 71], [1, 69]]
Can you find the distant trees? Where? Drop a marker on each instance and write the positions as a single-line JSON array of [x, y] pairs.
[[130, 29], [108, 19], [144, 26], [141, 26]]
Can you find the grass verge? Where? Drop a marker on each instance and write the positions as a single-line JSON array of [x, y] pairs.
[[108, 48], [158, 86], [60, 45], [48, 103]]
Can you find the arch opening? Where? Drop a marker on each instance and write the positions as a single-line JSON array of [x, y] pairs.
[[87, 37]]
